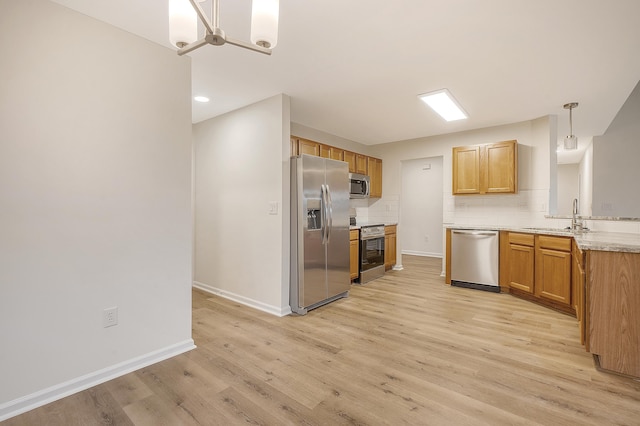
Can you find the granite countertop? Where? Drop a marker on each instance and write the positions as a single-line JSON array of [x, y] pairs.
[[586, 240]]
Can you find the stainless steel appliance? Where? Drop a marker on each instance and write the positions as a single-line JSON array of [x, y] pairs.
[[371, 252], [319, 232], [358, 185], [474, 259]]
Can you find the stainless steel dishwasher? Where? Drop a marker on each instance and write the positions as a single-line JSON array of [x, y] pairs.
[[474, 259]]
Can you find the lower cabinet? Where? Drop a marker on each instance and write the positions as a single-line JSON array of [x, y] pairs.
[[390, 233], [553, 269], [578, 283], [540, 269], [354, 258], [521, 261]]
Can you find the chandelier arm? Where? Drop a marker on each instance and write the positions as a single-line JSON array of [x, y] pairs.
[[192, 46], [246, 45], [203, 16]]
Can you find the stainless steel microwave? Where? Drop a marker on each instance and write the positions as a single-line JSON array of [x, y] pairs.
[[358, 185]]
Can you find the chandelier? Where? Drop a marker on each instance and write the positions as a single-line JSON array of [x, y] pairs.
[[183, 26]]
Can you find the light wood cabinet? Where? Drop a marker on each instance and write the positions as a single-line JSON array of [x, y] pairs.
[[325, 151], [361, 164], [539, 268], [294, 146], [390, 241], [485, 169], [374, 167], [354, 253], [553, 269], [499, 168], [578, 281], [613, 317], [336, 153], [521, 262], [308, 147], [466, 170], [350, 157]]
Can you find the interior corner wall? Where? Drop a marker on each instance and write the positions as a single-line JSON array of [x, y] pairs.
[[530, 203], [239, 173], [615, 163], [586, 181], [95, 183]]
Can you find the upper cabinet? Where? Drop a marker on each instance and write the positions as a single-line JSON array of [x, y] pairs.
[[325, 151], [374, 168], [466, 170], [350, 157], [486, 169], [358, 163], [361, 164]]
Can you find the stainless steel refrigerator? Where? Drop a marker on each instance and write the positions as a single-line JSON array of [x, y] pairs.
[[319, 232]]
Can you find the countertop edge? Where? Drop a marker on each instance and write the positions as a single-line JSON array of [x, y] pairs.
[[590, 240]]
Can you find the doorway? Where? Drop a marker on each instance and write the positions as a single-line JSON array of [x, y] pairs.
[[421, 207]]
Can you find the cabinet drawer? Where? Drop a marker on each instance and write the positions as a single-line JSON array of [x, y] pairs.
[[390, 229], [521, 239], [353, 234], [554, 243]]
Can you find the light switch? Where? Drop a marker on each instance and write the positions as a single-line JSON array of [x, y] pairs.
[[273, 207]]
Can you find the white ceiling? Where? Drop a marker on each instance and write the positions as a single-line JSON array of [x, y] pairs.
[[353, 68]]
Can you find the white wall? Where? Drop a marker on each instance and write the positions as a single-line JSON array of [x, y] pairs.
[[529, 204], [421, 207], [586, 181], [241, 165], [568, 188], [95, 170], [615, 163]]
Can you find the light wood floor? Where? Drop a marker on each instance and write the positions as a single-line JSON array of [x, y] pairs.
[[404, 349]]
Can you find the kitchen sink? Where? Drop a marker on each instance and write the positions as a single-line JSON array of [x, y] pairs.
[[567, 230], [549, 229]]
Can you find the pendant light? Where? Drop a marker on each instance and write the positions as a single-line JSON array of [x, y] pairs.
[[571, 141], [183, 24]]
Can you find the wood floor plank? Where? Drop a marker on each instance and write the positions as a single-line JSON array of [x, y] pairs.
[[403, 349]]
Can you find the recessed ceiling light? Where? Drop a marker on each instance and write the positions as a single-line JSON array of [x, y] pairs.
[[201, 99], [442, 102]]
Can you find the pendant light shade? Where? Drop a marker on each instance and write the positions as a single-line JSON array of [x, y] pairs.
[[571, 141], [183, 23], [264, 23]]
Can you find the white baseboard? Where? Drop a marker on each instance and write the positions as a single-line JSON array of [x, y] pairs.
[[59, 391], [270, 309], [422, 253]]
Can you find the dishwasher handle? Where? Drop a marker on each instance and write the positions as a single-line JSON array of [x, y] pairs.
[[486, 233]]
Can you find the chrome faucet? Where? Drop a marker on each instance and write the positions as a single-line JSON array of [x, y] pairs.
[[576, 222]]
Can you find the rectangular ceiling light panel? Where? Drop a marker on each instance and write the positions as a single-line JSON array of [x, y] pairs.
[[444, 104]]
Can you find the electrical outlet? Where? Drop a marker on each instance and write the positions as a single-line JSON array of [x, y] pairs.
[[426, 238], [110, 317]]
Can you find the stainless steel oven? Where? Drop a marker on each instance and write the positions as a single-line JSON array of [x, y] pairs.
[[371, 252]]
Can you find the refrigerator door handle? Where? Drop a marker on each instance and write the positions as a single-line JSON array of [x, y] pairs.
[[323, 192], [330, 213]]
